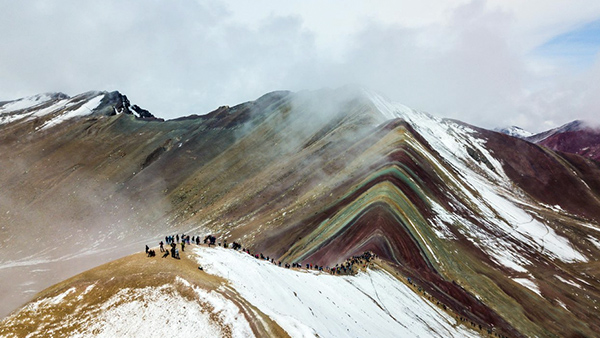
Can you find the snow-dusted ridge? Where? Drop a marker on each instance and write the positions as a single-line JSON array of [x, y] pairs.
[[305, 304], [142, 312], [55, 108], [26, 102], [85, 109], [499, 202]]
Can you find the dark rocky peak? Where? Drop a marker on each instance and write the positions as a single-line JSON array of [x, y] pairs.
[[142, 113], [115, 103]]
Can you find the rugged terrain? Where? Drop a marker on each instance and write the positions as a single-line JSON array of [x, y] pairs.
[[502, 232]]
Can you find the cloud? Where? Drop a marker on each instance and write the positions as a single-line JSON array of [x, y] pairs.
[[467, 60]]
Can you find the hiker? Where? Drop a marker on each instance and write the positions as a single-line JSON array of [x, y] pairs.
[[162, 249], [147, 248], [177, 237], [166, 254], [151, 253], [182, 246]]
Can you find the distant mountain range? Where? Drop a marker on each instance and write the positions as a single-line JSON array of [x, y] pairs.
[[480, 232], [577, 137]]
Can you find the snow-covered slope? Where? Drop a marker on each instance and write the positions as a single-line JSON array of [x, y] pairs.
[[52, 108], [26, 102], [308, 303], [500, 205], [236, 295]]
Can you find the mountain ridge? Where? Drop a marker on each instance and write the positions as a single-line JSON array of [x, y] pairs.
[[319, 177]]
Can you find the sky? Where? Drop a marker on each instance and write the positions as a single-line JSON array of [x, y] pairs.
[[491, 63]]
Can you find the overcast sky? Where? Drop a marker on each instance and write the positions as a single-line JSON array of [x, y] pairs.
[[490, 63]]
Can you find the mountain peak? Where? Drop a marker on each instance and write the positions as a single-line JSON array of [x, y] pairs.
[[514, 131], [52, 109], [572, 126]]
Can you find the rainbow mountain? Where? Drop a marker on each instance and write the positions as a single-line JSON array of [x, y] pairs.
[[503, 233]]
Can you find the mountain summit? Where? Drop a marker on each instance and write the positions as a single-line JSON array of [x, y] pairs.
[[515, 131]]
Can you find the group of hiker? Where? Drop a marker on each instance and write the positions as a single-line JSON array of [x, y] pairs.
[[345, 268], [183, 240], [348, 267]]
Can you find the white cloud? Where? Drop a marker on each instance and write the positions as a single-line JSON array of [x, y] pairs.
[[467, 60]]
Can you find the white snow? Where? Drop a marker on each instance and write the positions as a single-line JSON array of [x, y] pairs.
[[62, 104], [142, 312], [528, 284], [567, 281], [516, 132], [150, 312], [26, 102], [9, 118], [562, 304], [228, 313], [85, 292], [49, 301], [442, 220], [594, 241], [85, 109], [307, 303], [491, 192]]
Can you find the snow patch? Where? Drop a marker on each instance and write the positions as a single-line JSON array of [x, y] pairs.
[[227, 311], [528, 284], [26, 102], [567, 281], [594, 241], [150, 312], [85, 109]]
